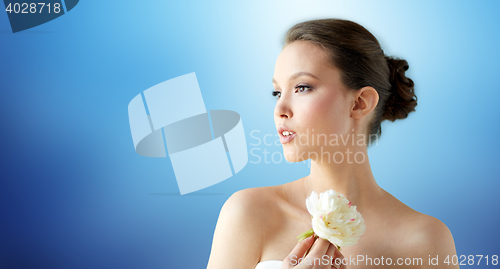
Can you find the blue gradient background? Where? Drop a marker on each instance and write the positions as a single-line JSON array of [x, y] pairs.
[[74, 194]]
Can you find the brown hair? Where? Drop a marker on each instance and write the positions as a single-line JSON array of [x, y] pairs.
[[362, 62]]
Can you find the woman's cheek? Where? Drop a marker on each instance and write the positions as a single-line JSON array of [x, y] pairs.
[[326, 117]]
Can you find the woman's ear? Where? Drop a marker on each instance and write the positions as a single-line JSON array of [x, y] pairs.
[[365, 100]]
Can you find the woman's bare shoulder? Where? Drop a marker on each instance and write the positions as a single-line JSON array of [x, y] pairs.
[[254, 201], [431, 236], [238, 236], [416, 221], [424, 234]]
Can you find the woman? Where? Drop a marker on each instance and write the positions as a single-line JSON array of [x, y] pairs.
[[334, 87]]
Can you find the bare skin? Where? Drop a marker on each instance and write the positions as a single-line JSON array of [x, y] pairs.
[[260, 224]]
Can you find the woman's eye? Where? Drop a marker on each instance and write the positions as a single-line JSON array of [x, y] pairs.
[[302, 88], [276, 93]]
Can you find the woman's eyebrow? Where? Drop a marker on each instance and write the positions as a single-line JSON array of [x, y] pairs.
[[299, 74]]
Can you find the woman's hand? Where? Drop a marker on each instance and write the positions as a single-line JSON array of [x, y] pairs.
[[323, 255]]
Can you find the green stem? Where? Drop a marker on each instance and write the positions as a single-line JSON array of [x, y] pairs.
[[305, 234]]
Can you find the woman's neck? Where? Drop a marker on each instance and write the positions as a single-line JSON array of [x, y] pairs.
[[353, 179]]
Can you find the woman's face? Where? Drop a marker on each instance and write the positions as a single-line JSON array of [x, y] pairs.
[[311, 101]]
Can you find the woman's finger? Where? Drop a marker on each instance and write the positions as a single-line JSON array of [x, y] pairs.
[[331, 255], [319, 248], [338, 261], [298, 251]]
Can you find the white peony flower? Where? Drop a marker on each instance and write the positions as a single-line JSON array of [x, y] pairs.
[[334, 219]]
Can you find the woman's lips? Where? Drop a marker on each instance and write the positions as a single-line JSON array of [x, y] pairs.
[[286, 139], [289, 137]]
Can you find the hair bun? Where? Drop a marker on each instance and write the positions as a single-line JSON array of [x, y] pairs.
[[402, 99]]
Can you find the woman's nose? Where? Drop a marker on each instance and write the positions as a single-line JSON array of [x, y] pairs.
[[283, 110]]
